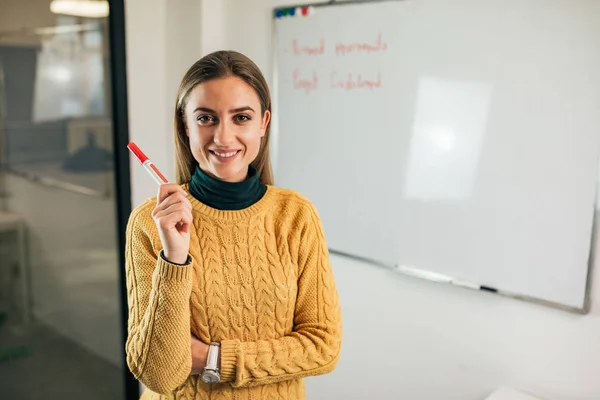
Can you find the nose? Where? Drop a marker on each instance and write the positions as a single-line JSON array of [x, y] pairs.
[[224, 135]]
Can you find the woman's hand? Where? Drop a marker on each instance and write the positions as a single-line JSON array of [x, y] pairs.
[[173, 217], [199, 356]]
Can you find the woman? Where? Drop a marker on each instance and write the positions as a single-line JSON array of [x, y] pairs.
[[225, 263]]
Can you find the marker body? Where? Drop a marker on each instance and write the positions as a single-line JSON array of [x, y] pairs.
[[154, 172]]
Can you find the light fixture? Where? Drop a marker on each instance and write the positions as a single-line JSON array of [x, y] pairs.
[[80, 8]]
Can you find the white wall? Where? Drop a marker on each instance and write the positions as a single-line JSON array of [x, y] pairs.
[[162, 42], [403, 338]]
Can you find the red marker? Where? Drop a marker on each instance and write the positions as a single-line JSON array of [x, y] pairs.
[[148, 166]]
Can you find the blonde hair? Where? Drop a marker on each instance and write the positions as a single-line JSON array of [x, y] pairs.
[[217, 65]]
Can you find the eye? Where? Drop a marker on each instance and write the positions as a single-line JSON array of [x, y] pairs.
[[205, 119], [242, 118]]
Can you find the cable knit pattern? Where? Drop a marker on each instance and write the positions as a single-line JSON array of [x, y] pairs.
[[260, 283]]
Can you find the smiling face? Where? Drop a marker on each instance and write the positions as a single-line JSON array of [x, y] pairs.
[[225, 125]]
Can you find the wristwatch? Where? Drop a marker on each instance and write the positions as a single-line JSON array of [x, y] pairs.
[[211, 374]]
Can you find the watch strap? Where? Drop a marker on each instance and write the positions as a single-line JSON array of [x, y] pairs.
[[212, 361]]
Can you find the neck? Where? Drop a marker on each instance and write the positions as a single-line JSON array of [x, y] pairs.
[[223, 195]]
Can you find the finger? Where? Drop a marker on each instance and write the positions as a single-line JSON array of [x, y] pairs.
[[176, 219], [183, 199], [161, 212], [174, 215], [178, 198], [185, 223], [174, 198], [164, 191], [167, 189]]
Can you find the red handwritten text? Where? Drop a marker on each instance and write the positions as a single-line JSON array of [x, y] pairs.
[[307, 85], [311, 51], [354, 82], [343, 49]]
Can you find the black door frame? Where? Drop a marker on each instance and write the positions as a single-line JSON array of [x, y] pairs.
[[118, 75]]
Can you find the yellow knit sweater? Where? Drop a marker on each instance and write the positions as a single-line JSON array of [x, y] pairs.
[[260, 283]]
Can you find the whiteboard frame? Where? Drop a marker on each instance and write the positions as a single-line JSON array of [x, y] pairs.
[[424, 274]]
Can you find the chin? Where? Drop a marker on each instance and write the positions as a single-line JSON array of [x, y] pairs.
[[230, 174]]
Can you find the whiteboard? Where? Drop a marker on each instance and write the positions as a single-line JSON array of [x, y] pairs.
[[456, 137]]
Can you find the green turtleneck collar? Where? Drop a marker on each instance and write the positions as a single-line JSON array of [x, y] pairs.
[[223, 195]]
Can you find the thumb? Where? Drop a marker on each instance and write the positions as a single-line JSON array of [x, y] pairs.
[[185, 228], [182, 227]]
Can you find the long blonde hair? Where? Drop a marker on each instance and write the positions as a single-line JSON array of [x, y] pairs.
[[217, 65]]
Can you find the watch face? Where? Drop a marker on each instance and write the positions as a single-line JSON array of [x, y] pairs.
[[211, 377]]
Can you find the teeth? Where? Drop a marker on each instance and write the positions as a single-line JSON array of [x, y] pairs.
[[226, 155]]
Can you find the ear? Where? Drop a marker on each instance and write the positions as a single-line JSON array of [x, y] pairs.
[[265, 122]]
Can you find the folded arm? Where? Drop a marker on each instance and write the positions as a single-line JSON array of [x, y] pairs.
[[158, 293], [313, 348]]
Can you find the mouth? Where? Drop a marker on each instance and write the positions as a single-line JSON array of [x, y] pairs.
[[226, 155]]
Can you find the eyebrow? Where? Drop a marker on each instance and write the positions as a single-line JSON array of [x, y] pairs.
[[235, 110]]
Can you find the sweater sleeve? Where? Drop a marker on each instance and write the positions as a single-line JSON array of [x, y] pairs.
[[313, 347], [158, 292]]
